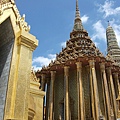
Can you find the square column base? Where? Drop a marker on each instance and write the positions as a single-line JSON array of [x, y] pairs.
[[118, 115]]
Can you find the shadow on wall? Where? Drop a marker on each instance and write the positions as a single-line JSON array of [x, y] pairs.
[[6, 47]]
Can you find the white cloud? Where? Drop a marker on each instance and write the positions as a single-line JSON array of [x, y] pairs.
[[84, 18], [108, 9], [41, 61], [63, 44], [96, 44], [52, 56], [100, 31], [36, 68]]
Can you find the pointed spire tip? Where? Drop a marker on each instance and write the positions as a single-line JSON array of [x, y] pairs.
[[108, 23], [77, 10]]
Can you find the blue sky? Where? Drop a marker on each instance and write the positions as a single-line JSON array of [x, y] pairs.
[[52, 21]]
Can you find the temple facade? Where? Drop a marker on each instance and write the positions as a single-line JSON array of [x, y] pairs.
[[82, 83]]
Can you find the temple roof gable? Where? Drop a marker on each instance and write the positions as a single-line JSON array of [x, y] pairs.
[[20, 20]]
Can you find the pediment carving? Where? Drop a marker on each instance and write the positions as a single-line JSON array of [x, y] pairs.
[[20, 20]]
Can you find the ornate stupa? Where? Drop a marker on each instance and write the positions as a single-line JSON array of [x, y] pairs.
[[112, 44]]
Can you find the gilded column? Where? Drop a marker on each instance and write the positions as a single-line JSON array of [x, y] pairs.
[[51, 95], [81, 114], [43, 89], [112, 91], [66, 93], [118, 97], [92, 104], [95, 89], [118, 83], [47, 99], [105, 85], [19, 77]]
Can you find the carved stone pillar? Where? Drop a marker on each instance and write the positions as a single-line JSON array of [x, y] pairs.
[[81, 113], [95, 89], [43, 82], [112, 91], [106, 91], [51, 95], [66, 93]]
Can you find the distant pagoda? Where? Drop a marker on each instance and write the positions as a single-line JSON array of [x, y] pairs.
[[82, 84], [112, 45]]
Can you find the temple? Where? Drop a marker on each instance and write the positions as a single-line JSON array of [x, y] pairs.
[[82, 83]]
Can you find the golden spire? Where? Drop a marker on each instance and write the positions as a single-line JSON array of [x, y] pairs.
[[77, 21]]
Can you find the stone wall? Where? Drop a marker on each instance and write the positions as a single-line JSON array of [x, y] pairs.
[[6, 46]]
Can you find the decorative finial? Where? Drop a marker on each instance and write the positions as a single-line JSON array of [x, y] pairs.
[[77, 10], [108, 23], [77, 22], [13, 1]]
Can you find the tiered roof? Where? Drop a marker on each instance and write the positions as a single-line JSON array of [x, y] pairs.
[[112, 45], [78, 48]]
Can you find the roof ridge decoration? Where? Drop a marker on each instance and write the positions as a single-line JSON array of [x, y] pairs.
[[8, 4], [6, 1], [109, 58], [33, 77]]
